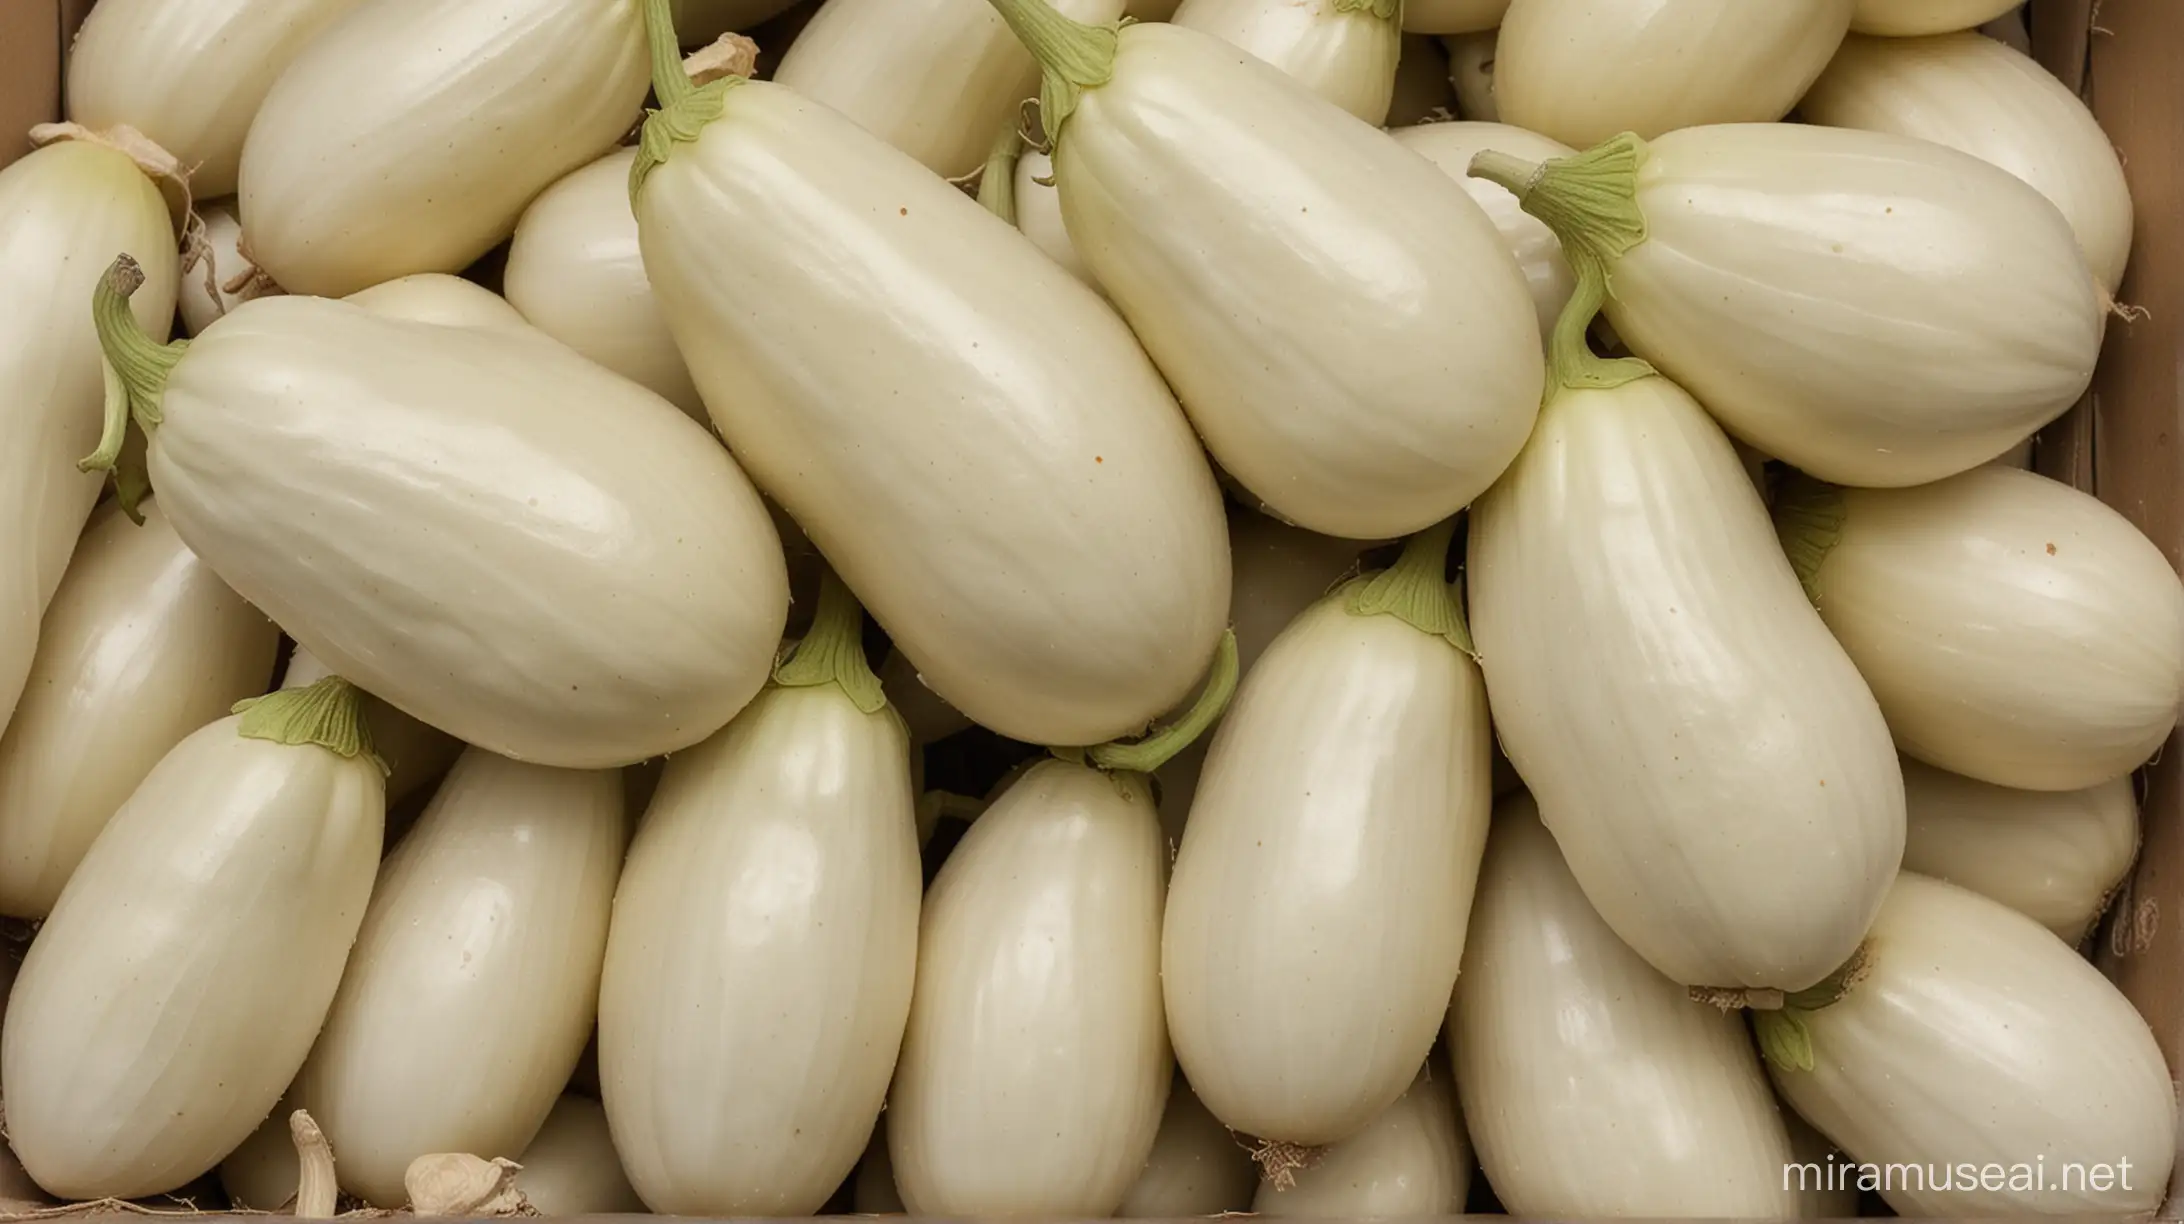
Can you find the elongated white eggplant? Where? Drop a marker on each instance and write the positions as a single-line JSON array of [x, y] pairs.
[[571, 1169], [2054, 856], [408, 136], [765, 939], [1097, 522], [1036, 1062], [437, 297], [475, 979], [1984, 1064], [484, 529], [178, 984], [574, 271], [1911, 18], [141, 646], [65, 211], [1872, 309], [1826, 1182], [1197, 1167], [1453, 16], [1344, 326], [1717, 773], [1595, 1087], [927, 717], [2014, 629], [1582, 71], [1970, 92], [1316, 919], [934, 78], [1471, 75], [1411, 1161], [1343, 50], [1451, 146], [1039, 214]]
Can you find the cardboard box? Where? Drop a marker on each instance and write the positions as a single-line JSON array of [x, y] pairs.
[[2121, 442]]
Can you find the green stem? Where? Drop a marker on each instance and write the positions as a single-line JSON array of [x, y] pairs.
[[833, 651], [328, 713], [1416, 589], [685, 108], [1785, 1035], [1073, 56], [997, 183], [670, 84], [1590, 201], [1154, 751], [1385, 10], [1808, 518], [137, 368], [935, 806]]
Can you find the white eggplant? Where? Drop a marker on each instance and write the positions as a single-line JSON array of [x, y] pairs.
[[1709, 759], [1595, 1087], [65, 211], [1343, 50], [1344, 325], [574, 271], [1039, 214], [1870, 308], [415, 754], [1423, 92], [1980, 1061], [1097, 522], [438, 297], [263, 1171], [189, 74], [484, 529], [141, 646], [1316, 919], [764, 945], [571, 1169], [1197, 1167], [1036, 1063], [1471, 75], [1451, 146], [1582, 71], [934, 78], [2015, 630], [1824, 1187], [702, 21], [1411, 1161], [212, 265], [408, 136], [1974, 94], [1911, 18], [2054, 856], [927, 717], [1453, 16], [475, 979], [178, 984]]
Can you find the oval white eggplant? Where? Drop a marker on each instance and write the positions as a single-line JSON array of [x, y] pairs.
[[1411, 1161], [484, 529], [1870, 308], [65, 211], [2015, 630], [1581, 71], [575, 272], [1451, 146], [1423, 91], [475, 978], [1707, 756], [1316, 919], [1342, 50], [927, 717], [1971, 1038], [438, 297], [1453, 16], [202, 294], [1911, 18], [415, 754], [1039, 214], [1974, 94], [141, 646], [1095, 520], [177, 986], [934, 78], [1595, 1087], [702, 21], [1036, 1063], [1197, 1167], [1471, 75], [2054, 856], [765, 940], [408, 136], [570, 1169], [189, 74], [1344, 326]]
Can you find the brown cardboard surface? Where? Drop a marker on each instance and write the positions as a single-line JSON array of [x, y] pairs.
[[30, 71]]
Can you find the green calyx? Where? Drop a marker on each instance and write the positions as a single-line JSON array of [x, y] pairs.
[[1590, 201], [1073, 56], [685, 108], [833, 652], [136, 370], [1385, 10], [936, 806], [997, 182], [1155, 749], [1808, 518], [1415, 589], [328, 714], [1785, 1033]]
